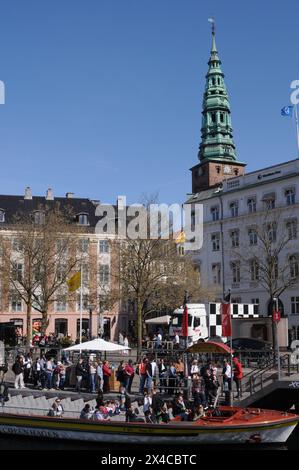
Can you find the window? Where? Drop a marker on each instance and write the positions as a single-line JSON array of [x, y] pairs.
[[2, 215], [291, 227], [272, 267], [235, 267], [216, 273], [16, 303], [295, 305], [215, 213], [269, 201], [294, 266], [254, 270], [61, 303], [218, 169], [221, 117], [290, 195], [252, 236], [61, 273], [85, 273], [85, 302], [271, 230], [251, 204], [17, 272], [234, 209], [213, 118], [82, 219], [17, 245], [60, 327], [181, 250], [39, 218], [104, 274], [83, 245], [215, 237], [104, 246], [85, 327], [234, 236]]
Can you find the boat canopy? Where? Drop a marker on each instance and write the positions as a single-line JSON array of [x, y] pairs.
[[210, 347]]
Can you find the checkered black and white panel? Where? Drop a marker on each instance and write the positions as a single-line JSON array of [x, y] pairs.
[[237, 311]]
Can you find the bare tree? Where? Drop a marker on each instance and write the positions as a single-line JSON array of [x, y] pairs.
[[39, 260], [154, 276]]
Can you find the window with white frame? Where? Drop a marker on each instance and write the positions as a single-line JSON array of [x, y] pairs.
[[17, 271], [254, 270], [104, 246], [61, 273], [2, 215], [234, 236], [16, 303], [82, 219], [61, 303], [83, 245], [104, 272], [235, 267], [252, 234], [271, 231], [251, 204], [295, 305], [234, 209], [215, 213], [215, 238], [269, 201], [216, 273], [290, 195], [85, 302], [39, 217], [291, 226], [294, 266], [17, 245]]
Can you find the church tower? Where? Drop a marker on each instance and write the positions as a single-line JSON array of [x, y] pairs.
[[217, 151]]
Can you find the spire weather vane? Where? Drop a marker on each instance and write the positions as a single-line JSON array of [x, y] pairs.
[[212, 21]]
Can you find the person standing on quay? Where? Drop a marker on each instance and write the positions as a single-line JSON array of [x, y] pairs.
[[18, 369], [238, 375], [106, 375]]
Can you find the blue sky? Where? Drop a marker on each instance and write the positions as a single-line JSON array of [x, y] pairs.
[[103, 97]]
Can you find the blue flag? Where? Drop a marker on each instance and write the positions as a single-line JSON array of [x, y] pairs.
[[287, 111]]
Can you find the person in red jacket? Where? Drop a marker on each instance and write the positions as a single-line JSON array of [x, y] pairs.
[[106, 375], [238, 374]]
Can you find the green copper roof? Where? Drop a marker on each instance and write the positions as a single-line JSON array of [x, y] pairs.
[[216, 133]]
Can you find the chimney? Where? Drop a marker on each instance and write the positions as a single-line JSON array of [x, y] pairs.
[[28, 193], [69, 195], [49, 195], [121, 202]]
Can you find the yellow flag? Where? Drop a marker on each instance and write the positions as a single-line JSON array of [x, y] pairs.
[[74, 282], [181, 238]]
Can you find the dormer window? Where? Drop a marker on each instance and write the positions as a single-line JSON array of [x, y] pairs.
[[82, 219], [2, 215], [39, 217]]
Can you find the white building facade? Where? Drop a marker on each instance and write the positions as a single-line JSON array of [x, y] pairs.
[[234, 212]]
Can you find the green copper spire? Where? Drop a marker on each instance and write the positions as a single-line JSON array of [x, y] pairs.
[[216, 133]]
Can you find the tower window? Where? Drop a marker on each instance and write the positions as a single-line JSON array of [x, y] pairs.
[[221, 117], [218, 169], [213, 117]]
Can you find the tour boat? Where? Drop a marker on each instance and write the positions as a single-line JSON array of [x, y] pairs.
[[228, 425]]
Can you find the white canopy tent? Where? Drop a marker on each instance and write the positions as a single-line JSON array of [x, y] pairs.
[[97, 344], [164, 320]]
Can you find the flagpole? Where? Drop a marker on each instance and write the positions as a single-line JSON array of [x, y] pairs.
[[81, 301]]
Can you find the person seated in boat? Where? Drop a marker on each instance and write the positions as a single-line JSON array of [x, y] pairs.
[[181, 408], [99, 414], [86, 412], [150, 416], [199, 397], [198, 412], [131, 415], [56, 409], [162, 415]]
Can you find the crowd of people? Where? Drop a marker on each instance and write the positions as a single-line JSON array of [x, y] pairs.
[[168, 377]]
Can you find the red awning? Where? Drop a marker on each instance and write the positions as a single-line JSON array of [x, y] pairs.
[[210, 347]]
